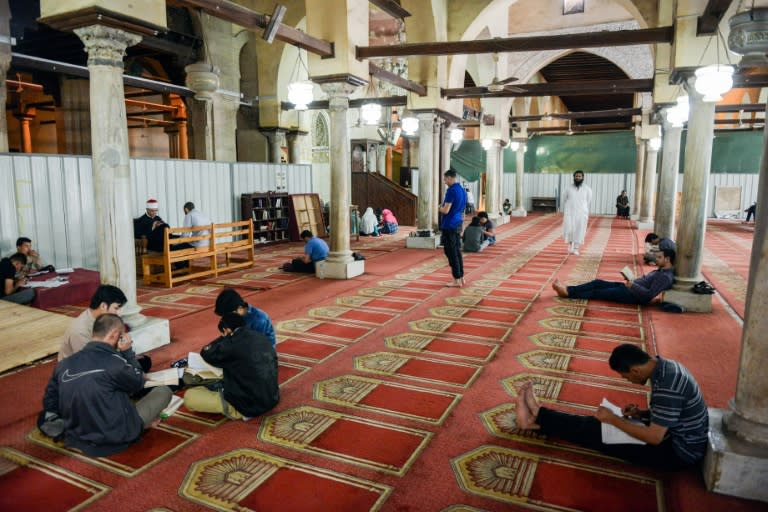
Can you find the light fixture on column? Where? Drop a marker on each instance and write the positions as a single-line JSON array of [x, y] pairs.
[[546, 117], [487, 144], [678, 115], [370, 111], [514, 145], [300, 91], [409, 123], [569, 132], [713, 81], [655, 143], [457, 135]]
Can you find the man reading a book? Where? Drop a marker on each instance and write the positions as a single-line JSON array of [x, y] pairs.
[[672, 432], [249, 360], [88, 396], [632, 291]]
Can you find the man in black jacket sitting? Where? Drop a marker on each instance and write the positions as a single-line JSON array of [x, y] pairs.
[[89, 394], [249, 361]]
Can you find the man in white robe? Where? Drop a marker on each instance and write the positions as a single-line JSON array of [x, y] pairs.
[[576, 212]]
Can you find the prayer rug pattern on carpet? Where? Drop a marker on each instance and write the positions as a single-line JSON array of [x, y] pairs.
[[419, 368], [537, 481], [559, 340], [485, 332], [395, 399], [473, 351], [247, 479], [22, 477], [334, 331], [340, 437], [155, 445]]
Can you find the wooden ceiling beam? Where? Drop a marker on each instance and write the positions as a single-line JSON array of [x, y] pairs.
[[707, 23], [403, 83], [252, 20], [584, 128], [592, 114], [522, 44], [565, 88], [743, 107], [391, 7]]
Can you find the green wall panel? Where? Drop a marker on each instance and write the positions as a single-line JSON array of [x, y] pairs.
[[615, 152]]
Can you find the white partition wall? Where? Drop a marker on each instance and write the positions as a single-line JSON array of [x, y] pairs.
[[49, 198]]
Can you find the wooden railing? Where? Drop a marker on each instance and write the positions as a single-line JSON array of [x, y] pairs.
[[376, 191]]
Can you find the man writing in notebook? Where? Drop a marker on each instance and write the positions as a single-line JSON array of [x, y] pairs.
[[673, 429], [632, 291]]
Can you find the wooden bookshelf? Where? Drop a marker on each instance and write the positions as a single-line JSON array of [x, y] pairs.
[[270, 213], [307, 213]]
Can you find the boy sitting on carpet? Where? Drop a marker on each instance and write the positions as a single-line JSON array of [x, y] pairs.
[[249, 361], [229, 301], [673, 429]]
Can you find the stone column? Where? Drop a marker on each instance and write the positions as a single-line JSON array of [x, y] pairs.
[[294, 146], [203, 79], [519, 210], [493, 162], [276, 140], [5, 63], [381, 159], [111, 169], [426, 171], [639, 173], [737, 455], [74, 132], [664, 225], [693, 213], [340, 264], [445, 164], [436, 181], [649, 183]]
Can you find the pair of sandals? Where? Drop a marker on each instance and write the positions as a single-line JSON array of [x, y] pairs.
[[703, 288]]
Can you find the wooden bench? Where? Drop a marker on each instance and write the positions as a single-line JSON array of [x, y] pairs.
[[223, 240]]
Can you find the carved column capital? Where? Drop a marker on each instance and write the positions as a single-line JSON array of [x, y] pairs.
[[106, 46], [338, 95]]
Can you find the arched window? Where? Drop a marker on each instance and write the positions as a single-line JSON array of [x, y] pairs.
[[320, 144]]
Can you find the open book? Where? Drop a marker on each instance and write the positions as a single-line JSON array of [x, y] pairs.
[[169, 377], [196, 365], [613, 435], [627, 273]]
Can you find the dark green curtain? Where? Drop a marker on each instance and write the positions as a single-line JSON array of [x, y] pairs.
[[615, 152]]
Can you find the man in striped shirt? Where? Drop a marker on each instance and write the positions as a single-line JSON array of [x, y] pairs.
[[673, 429]]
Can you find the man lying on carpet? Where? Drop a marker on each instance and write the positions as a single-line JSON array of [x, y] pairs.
[[635, 291], [89, 394], [674, 427], [249, 361], [229, 301]]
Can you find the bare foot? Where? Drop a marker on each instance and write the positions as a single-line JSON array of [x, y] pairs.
[[561, 290], [154, 423], [463, 282], [530, 400], [524, 419], [454, 284]]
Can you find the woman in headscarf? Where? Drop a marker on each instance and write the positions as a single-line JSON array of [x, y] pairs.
[[369, 226], [388, 222]]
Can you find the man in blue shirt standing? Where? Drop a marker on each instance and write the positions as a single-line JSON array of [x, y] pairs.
[[315, 249], [454, 202], [229, 301]]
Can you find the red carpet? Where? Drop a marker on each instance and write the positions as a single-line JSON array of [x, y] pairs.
[[396, 391]]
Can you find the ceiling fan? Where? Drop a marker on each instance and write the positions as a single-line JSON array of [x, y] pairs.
[[497, 85]]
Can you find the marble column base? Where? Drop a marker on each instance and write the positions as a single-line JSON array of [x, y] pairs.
[[152, 333], [733, 466], [519, 213], [422, 242], [339, 270], [644, 223], [693, 302]]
